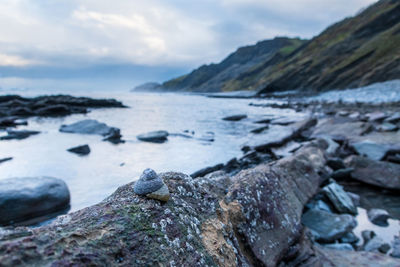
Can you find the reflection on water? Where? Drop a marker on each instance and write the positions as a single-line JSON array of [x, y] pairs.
[[91, 178]]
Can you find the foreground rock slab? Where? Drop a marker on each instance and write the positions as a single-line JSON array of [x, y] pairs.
[[256, 223], [93, 127], [377, 173], [23, 199]]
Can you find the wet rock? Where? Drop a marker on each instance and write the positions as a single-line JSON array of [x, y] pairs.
[[11, 122], [355, 198], [371, 150], [396, 247], [386, 127], [285, 121], [394, 118], [18, 135], [349, 238], [286, 150], [332, 145], [207, 170], [23, 199], [340, 246], [154, 137], [378, 217], [377, 173], [263, 121], [376, 244], [80, 150], [377, 116], [335, 163], [56, 110], [337, 128], [93, 127], [342, 174], [235, 117], [319, 205], [339, 198], [367, 235], [394, 158], [327, 227], [260, 129], [5, 159]]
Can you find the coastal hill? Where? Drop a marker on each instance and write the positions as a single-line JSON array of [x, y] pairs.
[[355, 52]]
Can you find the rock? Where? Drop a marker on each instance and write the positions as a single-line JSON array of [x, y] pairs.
[[355, 198], [338, 246], [371, 150], [19, 135], [319, 205], [378, 173], [327, 227], [56, 110], [367, 235], [349, 238], [24, 199], [332, 258], [377, 116], [80, 150], [342, 174], [148, 182], [154, 137], [335, 163], [263, 121], [394, 118], [354, 115], [339, 198], [332, 145], [11, 122], [93, 127], [387, 127], [260, 129], [285, 121], [394, 158], [278, 135], [286, 150], [395, 247], [376, 244], [337, 127], [5, 159], [235, 117], [344, 113], [378, 217], [207, 170]]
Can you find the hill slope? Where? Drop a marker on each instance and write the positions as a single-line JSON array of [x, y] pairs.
[[354, 52]]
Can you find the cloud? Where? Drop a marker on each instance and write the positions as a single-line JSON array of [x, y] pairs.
[[175, 33]]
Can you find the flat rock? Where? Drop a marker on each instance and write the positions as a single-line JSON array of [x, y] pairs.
[[326, 226], [235, 117], [372, 150], [339, 198], [23, 199], [394, 118], [18, 135], [387, 127], [154, 137], [80, 150], [378, 217], [92, 127], [378, 173], [340, 246], [338, 127], [377, 116], [259, 129]]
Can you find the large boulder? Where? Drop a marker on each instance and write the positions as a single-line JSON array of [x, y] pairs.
[[377, 173], [23, 199], [93, 127], [326, 226], [256, 223]]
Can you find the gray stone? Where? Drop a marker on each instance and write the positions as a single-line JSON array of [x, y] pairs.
[[371, 150], [80, 150], [378, 217], [340, 246], [377, 173], [396, 247], [23, 199], [386, 127], [376, 116], [319, 205], [235, 117], [339, 198], [148, 182], [376, 244], [93, 127], [327, 227], [154, 137], [19, 135]]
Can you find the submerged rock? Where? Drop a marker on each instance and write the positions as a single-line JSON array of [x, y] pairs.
[[19, 135], [80, 150], [24, 199], [93, 127], [378, 217], [377, 173], [339, 198], [326, 226], [151, 186], [154, 137], [235, 117]]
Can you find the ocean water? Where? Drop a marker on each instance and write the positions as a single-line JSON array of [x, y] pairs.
[[93, 177]]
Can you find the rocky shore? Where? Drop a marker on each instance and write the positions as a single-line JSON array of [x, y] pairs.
[[282, 204]]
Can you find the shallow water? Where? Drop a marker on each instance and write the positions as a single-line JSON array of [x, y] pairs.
[[92, 178]]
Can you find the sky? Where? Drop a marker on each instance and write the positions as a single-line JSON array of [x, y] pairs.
[[77, 38]]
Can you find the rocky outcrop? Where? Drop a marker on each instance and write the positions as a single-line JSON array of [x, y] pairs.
[[23, 199], [257, 222]]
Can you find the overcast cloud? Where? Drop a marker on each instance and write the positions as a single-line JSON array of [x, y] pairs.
[[177, 33]]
